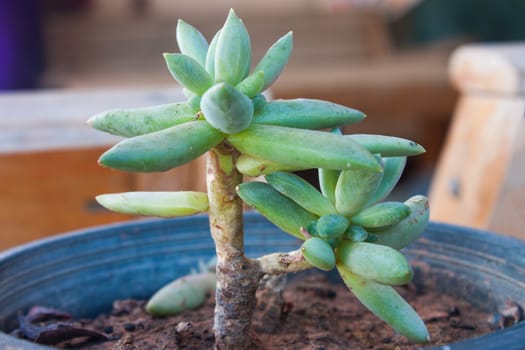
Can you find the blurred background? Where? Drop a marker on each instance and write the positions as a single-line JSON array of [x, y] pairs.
[[63, 60]]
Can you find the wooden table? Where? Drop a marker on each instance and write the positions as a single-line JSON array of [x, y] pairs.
[[49, 174], [480, 179]]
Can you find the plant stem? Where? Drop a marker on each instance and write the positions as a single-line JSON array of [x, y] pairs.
[[237, 276]]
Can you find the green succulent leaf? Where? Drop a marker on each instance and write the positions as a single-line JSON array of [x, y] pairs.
[[161, 204], [191, 42], [304, 113], [226, 108], [233, 51], [210, 56], [188, 72], [280, 210], [301, 192], [163, 150], [259, 101], [375, 262], [328, 182], [392, 170], [275, 59], [388, 146], [303, 148], [381, 215], [354, 188], [140, 121], [252, 85], [318, 253], [355, 233], [331, 226], [185, 293], [408, 230], [253, 166], [386, 304]]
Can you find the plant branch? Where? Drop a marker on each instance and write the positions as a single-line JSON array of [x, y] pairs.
[[237, 276], [278, 263]]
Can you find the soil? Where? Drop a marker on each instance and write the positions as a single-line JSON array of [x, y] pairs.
[[312, 314]]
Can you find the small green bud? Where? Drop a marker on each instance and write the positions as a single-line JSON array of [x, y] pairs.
[[226, 108], [318, 253], [259, 101], [332, 226], [355, 233], [252, 85]]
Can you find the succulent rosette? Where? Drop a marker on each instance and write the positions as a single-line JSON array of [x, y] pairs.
[[344, 225]]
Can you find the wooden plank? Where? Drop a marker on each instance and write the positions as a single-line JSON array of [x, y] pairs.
[[475, 159], [489, 68], [56, 119], [47, 193], [508, 216]]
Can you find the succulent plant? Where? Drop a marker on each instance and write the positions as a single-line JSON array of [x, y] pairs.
[[344, 225]]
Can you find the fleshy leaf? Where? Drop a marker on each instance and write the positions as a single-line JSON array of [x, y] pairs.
[[161, 204], [233, 51], [303, 148], [140, 121], [301, 192], [226, 108], [386, 304], [185, 293], [188, 72], [191, 42], [275, 59], [307, 114], [354, 188], [375, 262], [280, 210], [253, 166], [162, 150], [408, 230], [252, 85], [388, 146]]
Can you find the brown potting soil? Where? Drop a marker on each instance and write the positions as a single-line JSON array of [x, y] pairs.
[[312, 314]]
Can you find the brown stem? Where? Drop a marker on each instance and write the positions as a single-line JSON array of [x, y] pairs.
[[237, 276], [279, 263]]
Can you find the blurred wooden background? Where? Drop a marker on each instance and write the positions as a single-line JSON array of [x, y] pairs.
[[106, 54]]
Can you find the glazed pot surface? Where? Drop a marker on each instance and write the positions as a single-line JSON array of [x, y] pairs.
[[85, 271]]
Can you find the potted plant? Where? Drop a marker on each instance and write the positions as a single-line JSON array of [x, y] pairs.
[[343, 226]]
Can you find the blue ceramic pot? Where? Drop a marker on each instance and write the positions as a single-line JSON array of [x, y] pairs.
[[83, 272]]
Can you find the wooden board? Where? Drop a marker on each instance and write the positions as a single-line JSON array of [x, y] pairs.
[[479, 181], [475, 160], [46, 193]]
